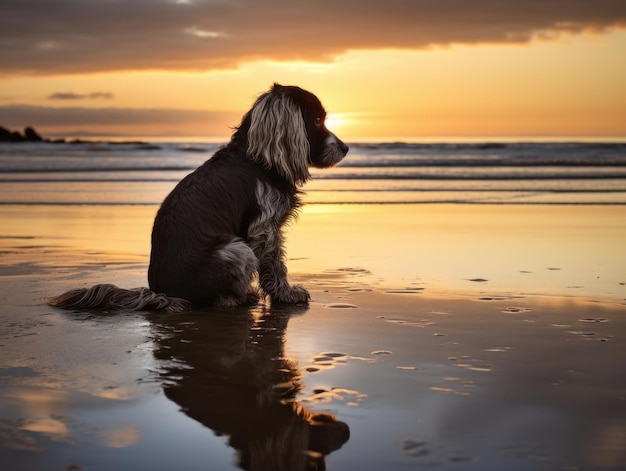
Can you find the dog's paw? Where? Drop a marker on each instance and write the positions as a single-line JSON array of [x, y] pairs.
[[293, 295]]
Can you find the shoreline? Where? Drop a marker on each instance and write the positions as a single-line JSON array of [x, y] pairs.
[[531, 249], [440, 250]]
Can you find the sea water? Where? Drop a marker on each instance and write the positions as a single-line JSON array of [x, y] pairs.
[[143, 173]]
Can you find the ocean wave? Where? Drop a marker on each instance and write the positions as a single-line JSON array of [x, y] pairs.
[[178, 156], [143, 173]]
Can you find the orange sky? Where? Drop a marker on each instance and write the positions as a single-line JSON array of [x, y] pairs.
[[384, 70]]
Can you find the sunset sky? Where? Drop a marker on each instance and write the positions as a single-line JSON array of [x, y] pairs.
[[392, 69]]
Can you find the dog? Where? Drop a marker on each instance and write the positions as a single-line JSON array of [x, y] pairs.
[[220, 229]]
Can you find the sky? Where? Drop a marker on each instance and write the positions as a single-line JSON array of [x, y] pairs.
[[384, 70]]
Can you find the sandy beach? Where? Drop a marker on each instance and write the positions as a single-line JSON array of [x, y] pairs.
[[458, 174], [474, 337]]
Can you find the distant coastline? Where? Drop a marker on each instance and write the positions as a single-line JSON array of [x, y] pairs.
[[75, 137], [31, 135]]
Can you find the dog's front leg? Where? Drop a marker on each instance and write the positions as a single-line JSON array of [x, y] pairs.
[[266, 240], [273, 275], [268, 247]]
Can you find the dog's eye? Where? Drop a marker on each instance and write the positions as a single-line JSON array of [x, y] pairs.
[[318, 121]]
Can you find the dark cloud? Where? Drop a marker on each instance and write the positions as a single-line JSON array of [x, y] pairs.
[[18, 115], [73, 36], [79, 96]]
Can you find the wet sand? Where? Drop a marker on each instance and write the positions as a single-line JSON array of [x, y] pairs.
[[447, 337]]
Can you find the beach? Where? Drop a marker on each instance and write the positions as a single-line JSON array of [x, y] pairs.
[[439, 336], [373, 236]]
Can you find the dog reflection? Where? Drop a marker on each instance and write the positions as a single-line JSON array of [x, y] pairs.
[[228, 371]]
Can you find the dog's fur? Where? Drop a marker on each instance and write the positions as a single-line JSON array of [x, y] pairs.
[[221, 226]]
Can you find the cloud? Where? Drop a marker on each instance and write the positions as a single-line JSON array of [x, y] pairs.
[[21, 115], [40, 37], [78, 96]]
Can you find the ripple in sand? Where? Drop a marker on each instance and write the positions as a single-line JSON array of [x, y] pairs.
[[340, 306], [405, 291], [515, 310], [594, 320], [473, 364], [586, 334], [382, 352], [407, 368], [349, 271], [498, 349], [365, 359], [589, 335], [325, 361], [334, 354], [464, 382], [414, 447], [420, 323], [348, 396], [478, 280], [330, 358], [449, 391]]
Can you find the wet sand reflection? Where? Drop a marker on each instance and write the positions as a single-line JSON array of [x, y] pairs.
[[228, 371]]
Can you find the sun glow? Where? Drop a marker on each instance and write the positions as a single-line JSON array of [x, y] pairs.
[[541, 89], [335, 121]]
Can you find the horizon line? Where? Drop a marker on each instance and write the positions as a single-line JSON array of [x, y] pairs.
[[175, 137]]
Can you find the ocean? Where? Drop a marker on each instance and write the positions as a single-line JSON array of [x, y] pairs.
[[142, 173]]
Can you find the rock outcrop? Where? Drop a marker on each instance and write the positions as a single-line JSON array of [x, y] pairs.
[[29, 135]]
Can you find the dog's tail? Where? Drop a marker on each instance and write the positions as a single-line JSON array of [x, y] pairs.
[[106, 296]]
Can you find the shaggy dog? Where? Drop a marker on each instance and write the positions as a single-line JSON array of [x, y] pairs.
[[221, 226]]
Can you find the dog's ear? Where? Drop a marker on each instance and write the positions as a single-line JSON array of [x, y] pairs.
[[277, 136]]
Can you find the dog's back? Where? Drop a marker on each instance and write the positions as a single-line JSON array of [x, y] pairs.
[[200, 234]]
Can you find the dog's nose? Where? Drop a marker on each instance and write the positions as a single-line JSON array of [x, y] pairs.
[[344, 148]]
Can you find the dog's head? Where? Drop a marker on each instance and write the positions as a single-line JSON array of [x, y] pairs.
[[288, 133]]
